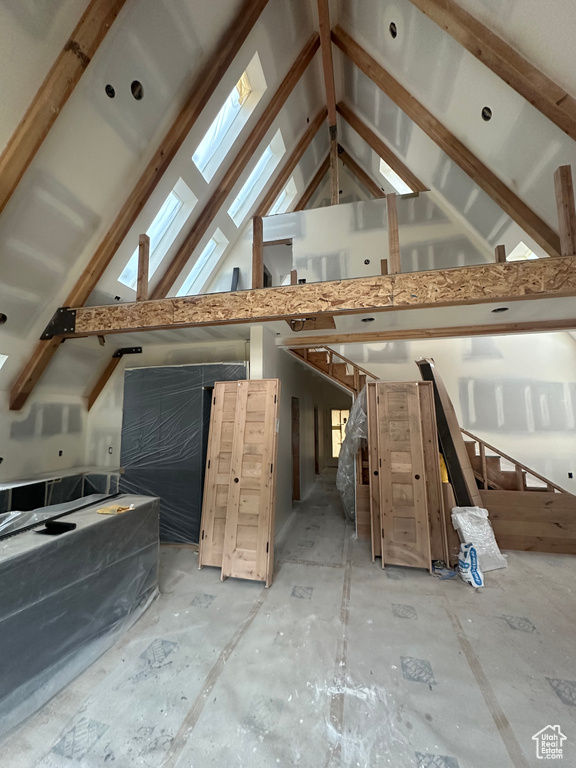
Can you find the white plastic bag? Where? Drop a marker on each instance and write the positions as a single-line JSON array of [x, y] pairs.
[[473, 526], [470, 571]]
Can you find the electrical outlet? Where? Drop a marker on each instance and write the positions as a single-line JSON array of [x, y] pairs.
[[570, 475], [60, 453], [110, 449]]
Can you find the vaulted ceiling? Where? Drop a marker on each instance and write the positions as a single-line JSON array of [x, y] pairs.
[[111, 159]]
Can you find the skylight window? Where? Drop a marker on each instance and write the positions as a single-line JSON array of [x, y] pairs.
[[284, 199], [162, 231], [255, 183], [230, 120], [393, 178], [520, 253], [204, 265]]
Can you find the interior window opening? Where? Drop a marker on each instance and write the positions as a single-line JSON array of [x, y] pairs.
[[392, 178]]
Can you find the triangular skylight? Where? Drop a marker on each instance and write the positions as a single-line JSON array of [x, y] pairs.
[[520, 253], [392, 178]]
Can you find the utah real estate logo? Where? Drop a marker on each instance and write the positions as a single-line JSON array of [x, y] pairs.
[[549, 743]]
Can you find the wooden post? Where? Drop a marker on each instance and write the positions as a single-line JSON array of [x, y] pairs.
[[293, 277], [334, 175], [257, 253], [393, 238], [383, 266], [519, 478], [566, 210], [500, 252], [484, 467], [143, 261]]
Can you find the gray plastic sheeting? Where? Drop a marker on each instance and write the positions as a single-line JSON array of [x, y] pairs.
[[164, 439], [66, 599]]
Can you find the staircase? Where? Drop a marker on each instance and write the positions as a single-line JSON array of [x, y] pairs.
[[334, 366], [487, 461]]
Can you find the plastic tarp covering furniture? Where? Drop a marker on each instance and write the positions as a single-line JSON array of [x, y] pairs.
[[13, 521], [165, 436], [356, 431], [66, 599]]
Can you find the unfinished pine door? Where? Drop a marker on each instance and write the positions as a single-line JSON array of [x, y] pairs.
[[217, 476], [249, 533], [402, 475]]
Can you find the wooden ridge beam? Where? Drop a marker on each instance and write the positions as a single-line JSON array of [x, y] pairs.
[[314, 184], [327, 63], [364, 179], [542, 92], [480, 284], [54, 92], [510, 203], [204, 84], [378, 146], [282, 179], [237, 166], [446, 332]]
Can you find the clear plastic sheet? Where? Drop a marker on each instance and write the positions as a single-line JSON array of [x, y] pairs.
[[164, 439], [13, 521], [356, 432], [66, 599], [474, 527]]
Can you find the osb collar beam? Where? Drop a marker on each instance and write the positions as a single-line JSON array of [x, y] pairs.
[[486, 283]]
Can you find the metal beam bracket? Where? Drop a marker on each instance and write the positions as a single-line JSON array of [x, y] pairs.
[[63, 321], [333, 132], [127, 351]]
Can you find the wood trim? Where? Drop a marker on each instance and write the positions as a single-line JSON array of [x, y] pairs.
[[500, 254], [208, 78], [510, 203], [143, 264], [334, 168], [361, 175], [54, 92], [542, 92], [102, 381], [378, 146], [415, 334], [282, 179], [236, 168], [564, 190], [487, 283], [314, 184], [327, 64], [257, 252], [394, 265]]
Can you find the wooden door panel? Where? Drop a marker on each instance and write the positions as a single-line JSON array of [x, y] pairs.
[[248, 539], [374, 470], [403, 504], [217, 478]]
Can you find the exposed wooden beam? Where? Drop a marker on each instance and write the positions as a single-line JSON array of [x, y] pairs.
[[257, 252], [54, 92], [394, 264], [510, 203], [378, 146], [281, 241], [361, 174], [480, 284], [204, 84], [383, 266], [416, 334], [103, 380], [334, 168], [314, 184], [327, 64], [293, 277], [564, 189], [143, 264], [282, 179], [542, 92], [237, 166], [500, 254]]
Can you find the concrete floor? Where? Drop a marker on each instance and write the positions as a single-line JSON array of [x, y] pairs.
[[337, 664]]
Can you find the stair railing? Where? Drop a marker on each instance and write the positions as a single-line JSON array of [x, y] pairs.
[[520, 469]]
